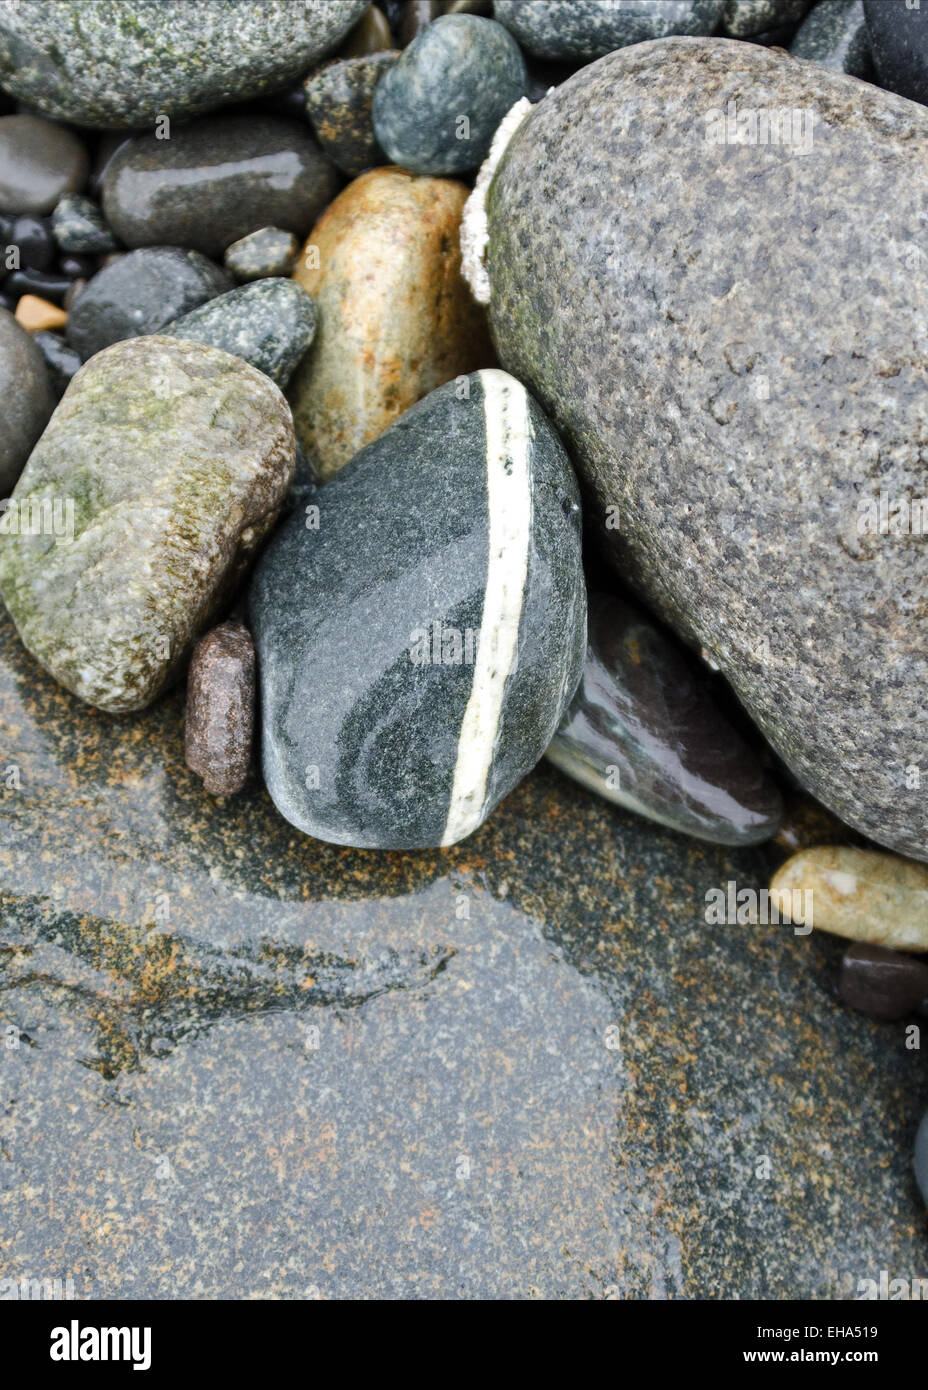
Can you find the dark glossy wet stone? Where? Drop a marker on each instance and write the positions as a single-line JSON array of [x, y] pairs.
[[437, 107], [140, 293], [588, 29], [126, 62], [79, 226], [26, 396], [744, 18], [220, 714], [269, 251], [530, 1041], [339, 101], [32, 238], [899, 44], [882, 983], [404, 730], [644, 733], [39, 162], [835, 34], [692, 469], [269, 323], [169, 462], [47, 284], [921, 1158], [371, 34], [216, 180], [61, 361]]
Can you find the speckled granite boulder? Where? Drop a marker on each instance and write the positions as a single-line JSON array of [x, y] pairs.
[[216, 180], [642, 732], [339, 102], [126, 62], [899, 42], [835, 34], [26, 399], [436, 109], [269, 323], [735, 392], [139, 293], [394, 317], [419, 640], [169, 462], [589, 29]]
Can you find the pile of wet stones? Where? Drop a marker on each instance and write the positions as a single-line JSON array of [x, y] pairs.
[[440, 387]]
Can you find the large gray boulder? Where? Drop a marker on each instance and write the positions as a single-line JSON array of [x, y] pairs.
[[729, 331]]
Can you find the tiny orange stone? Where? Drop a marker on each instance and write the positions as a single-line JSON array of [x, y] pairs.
[[36, 314]]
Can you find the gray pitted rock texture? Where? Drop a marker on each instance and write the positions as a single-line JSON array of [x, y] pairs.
[[216, 180], [26, 399], [269, 323], [167, 464], [419, 643], [732, 385], [589, 29], [125, 62], [437, 107], [140, 293]]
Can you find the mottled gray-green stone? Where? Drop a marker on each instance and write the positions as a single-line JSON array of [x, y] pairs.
[[460, 68], [743, 18], [739, 385], [268, 251], [835, 34], [125, 62], [269, 323], [78, 225], [590, 29], [168, 462]]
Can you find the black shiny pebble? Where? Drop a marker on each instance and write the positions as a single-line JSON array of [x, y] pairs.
[[60, 359], [33, 238], [7, 302], [77, 267], [882, 983], [45, 284]]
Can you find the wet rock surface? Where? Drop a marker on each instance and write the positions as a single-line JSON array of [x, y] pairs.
[[252, 1064], [26, 395], [269, 323], [39, 161]]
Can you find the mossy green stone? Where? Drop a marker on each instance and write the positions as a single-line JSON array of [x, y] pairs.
[[162, 470]]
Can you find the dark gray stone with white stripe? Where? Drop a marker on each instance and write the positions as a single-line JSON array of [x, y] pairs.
[[418, 647]]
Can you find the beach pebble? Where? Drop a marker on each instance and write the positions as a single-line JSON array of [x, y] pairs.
[[339, 102], [140, 293], [176, 459], [588, 29], [744, 18], [269, 323], [882, 983], [39, 162], [266, 252], [899, 43], [417, 648], [61, 361], [26, 395], [862, 894], [79, 226], [394, 317], [643, 733], [220, 716], [437, 107]]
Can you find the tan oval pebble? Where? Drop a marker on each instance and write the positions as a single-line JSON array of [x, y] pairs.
[[36, 314], [394, 317], [861, 894]]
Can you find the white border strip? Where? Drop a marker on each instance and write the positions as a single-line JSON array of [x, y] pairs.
[[509, 509]]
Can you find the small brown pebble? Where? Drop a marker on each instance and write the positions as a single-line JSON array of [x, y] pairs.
[[36, 314], [882, 983], [221, 708]]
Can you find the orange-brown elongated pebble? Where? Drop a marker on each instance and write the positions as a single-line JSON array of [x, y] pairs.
[[36, 314], [394, 317]]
